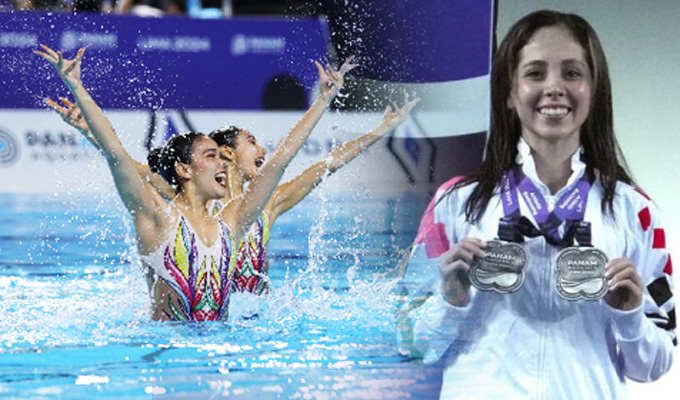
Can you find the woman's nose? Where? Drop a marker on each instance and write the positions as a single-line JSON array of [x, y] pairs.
[[555, 91], [554, 86]]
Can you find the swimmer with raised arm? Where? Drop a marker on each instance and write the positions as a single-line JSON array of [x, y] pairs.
[[190, 252], [243, 153], [245, 158]]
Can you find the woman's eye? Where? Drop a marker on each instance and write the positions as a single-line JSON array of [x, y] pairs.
[[574, 73], [534, 74]]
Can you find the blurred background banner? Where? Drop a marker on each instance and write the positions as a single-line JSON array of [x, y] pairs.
[[412, 40], [170, 62], [158, 76]]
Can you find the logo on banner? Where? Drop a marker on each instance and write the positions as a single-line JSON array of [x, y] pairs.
[[71, 40], [61, 146], [9, 148], [179, 44], [18, 40], [242, 45]]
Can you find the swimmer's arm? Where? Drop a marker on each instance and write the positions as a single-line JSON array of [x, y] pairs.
[[242, 212], [156, 181], [133, 189], [72, 115], [136, 193], [290, 193]]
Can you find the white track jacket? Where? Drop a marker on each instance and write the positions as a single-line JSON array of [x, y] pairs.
[[532, 344]]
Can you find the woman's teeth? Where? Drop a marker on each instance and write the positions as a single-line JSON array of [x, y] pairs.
[[221, 178], [553, 111]]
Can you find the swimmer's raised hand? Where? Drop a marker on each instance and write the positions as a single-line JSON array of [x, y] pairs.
[[330, 80], [395, 115], [68, 70], [71, 114]]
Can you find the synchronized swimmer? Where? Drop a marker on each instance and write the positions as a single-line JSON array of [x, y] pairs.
[[189, 252], [244, 164]]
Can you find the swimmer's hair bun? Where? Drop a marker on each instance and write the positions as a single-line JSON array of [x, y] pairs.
[[177, 149], [225, 136], [154, 159]]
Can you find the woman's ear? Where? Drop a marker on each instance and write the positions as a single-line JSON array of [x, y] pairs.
[[183, 170], [227, 152]]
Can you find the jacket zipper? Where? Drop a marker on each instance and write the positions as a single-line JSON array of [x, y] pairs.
[[545, 307]]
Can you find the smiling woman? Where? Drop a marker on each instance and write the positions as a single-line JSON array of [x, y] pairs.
[[550, 260], [190, 272], [551, 91]]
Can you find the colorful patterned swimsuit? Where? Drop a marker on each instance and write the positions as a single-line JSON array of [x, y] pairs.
[[251, 259], [199, 276]]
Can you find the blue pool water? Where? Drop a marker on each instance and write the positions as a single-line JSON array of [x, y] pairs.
[[75, 308]]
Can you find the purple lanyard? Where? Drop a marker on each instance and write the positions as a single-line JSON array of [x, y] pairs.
[[570, 206]]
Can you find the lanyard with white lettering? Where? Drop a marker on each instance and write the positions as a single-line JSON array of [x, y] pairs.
[[570, 207]]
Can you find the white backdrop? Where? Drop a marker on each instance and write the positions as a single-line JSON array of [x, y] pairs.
[[51, 156]]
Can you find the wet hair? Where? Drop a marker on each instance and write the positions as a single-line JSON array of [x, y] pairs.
[[601, 151], [225, 136], [177, 149]]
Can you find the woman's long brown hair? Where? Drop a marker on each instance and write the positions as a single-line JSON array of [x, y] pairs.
[[601, 151]]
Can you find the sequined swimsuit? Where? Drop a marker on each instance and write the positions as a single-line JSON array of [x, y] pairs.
[[199, 276], [251, 259]]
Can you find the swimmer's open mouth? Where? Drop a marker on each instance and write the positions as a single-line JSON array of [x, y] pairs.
[[221, 178], [259, 161]]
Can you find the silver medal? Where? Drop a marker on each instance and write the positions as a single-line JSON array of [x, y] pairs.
[[580, 273], [502, 270]]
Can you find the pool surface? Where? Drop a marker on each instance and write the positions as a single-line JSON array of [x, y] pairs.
[[75, 307]]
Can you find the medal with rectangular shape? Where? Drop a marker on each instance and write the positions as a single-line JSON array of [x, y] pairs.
[[502, 270], [580, 273]]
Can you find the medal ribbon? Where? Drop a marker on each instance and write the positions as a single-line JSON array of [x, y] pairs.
[[508, 227], [569, 207]]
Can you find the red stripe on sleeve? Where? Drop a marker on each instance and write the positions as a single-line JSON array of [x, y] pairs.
[[645, 218], [436, 243], [659, 239], [448, 184], [668, 269]]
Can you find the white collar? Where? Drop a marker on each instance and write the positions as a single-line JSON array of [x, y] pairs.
[[526, 161]]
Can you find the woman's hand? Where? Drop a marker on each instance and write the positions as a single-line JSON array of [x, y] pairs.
[[625, 285], [454, 269], [71, 114], [330, 80], [68, 70], [395, 116]]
